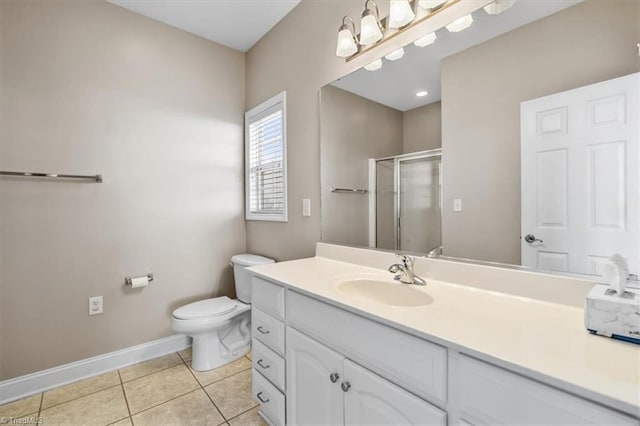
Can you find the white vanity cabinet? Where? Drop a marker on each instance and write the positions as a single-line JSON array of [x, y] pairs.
[[314, 375], [268, 345], [316, 363], [325, 388]]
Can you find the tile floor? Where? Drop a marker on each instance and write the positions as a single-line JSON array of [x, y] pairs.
[[161, 391]]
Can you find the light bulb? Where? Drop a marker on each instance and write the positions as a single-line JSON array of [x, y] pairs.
[[374, 66], [460, 24], [400, 13], [422, 93], [395, 55], [369, 30], [499, 6], [346, 44], [426, 40], [431, 4]]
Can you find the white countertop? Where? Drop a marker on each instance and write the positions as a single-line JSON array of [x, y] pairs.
[[526, 335]]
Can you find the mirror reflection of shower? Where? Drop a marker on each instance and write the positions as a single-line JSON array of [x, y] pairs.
[[405, 202]]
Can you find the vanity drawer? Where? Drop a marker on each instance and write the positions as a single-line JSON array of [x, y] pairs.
[[412, 363], [267, 297], [267, 330], [490, 395], [269, 363], [272, 402]]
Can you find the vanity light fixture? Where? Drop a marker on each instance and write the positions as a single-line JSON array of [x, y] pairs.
[[370, 26], [460, 24], [422, 93], [431, 4], [400, 13], [426, 40], [374, 66], [499, 6], [346, 39], [395, 55]]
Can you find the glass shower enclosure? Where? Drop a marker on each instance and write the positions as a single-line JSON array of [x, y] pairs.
[[408, 202]]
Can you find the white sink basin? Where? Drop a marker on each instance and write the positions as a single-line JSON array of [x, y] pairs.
[[384, 292]]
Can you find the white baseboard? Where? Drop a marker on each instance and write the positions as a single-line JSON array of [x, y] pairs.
[[20, 387]]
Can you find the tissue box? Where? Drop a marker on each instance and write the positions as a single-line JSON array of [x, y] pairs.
[[608, 314]]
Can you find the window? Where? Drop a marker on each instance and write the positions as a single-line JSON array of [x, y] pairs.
[[266, 160]]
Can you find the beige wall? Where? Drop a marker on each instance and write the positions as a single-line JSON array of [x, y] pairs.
[[298, 55], [353, 129], [89, 87], [482, 88], [422, 128]]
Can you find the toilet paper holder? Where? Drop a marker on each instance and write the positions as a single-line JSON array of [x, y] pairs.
[[129, 280]]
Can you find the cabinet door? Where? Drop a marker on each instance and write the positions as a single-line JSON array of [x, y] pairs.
[[312, 397], [372, 400]]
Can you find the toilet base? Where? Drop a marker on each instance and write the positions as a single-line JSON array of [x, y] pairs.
[[206, 355]]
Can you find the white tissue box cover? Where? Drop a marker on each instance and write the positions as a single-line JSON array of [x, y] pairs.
[[611, 314]]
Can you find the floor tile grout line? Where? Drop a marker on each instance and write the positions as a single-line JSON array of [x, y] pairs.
[[40, 407], [124, 393], [119, 420], [207, 393], [244, 412], [76, 398], [164, 402], [219, 380], [148, 374]]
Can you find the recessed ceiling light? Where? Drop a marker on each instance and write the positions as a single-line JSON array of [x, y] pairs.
[[374, 66], [395, 55], [460, 24], [422, 93]]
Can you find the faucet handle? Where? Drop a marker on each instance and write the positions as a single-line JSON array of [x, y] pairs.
[[407, 261]]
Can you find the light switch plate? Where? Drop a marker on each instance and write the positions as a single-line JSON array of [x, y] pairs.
[[95, 305], [306, 207], [457, 205]]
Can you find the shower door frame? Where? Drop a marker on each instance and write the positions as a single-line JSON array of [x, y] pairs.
[[397, 160]]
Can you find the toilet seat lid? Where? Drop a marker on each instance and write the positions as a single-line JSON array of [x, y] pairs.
[[206, 308]]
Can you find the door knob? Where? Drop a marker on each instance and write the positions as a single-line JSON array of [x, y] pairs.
[[530, 238], [334, 377], [345, 386]]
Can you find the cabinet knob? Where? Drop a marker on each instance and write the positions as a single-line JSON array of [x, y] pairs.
[[334, 377], [262, 365], [345, 386], [263, 331], [263, 400]]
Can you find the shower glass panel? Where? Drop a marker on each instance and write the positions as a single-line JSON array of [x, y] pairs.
[[385, 204], [419, 204]]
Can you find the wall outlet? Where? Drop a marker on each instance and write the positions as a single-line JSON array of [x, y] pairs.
[[457, 205], [306, 207], [95, 305]]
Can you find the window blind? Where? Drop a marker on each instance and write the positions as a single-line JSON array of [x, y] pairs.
[[265, 151]]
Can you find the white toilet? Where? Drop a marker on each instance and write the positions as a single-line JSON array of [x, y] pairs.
[[220, 327]]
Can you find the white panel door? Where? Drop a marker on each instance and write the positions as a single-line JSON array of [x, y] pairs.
[[371, 400], [580, 177], [314, 374]]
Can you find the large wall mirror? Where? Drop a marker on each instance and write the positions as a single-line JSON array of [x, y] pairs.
[[513, 141]]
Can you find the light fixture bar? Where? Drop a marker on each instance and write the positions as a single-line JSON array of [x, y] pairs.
[[365, 48]]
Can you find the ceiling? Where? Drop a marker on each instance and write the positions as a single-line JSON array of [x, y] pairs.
[[397, 82], [237, 24]]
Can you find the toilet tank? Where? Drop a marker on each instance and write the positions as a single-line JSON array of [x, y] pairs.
[[243, 283]]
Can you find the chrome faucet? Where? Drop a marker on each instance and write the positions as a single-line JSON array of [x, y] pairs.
[[405, 272], [435, 252]]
